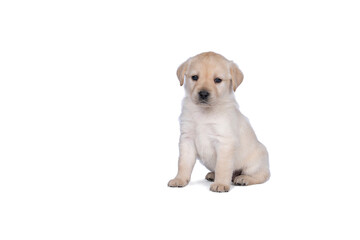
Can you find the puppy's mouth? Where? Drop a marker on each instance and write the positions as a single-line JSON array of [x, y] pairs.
[[204, 103]]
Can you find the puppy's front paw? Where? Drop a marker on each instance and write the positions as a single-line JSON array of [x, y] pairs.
[[217, 187], [177, 182]]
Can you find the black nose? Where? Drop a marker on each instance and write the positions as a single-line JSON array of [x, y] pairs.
[[204, 95]]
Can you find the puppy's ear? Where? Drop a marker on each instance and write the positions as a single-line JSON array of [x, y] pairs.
[[181, 71], [236, 75]]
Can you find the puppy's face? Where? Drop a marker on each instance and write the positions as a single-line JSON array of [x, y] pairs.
[[209, 77]]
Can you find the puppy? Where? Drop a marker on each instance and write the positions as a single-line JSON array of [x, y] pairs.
[[212, 128]]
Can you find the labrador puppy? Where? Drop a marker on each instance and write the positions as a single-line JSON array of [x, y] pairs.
[[212, 128]]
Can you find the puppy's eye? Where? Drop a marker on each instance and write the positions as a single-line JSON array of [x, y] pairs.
[[217, 80], [195, 77]]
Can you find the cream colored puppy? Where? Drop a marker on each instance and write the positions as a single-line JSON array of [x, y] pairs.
[[212, 128]]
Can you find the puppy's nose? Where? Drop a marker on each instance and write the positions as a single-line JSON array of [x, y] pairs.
[[204, 95]]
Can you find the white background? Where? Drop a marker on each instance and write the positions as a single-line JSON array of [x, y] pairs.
[[89, 106]]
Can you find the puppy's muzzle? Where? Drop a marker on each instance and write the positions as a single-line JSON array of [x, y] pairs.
[[204, 96]]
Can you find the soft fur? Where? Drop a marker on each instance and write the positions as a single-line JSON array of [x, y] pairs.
[[214, 131]]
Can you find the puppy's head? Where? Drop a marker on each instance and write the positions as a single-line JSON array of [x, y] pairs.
[[209, 78]]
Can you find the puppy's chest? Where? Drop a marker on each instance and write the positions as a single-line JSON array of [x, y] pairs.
[[205, 142]]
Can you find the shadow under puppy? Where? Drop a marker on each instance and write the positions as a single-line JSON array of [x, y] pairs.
[[212, 128]]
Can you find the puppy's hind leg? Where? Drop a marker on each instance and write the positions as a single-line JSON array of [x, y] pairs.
[[256, 174], [210, 176], [245, 180]]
